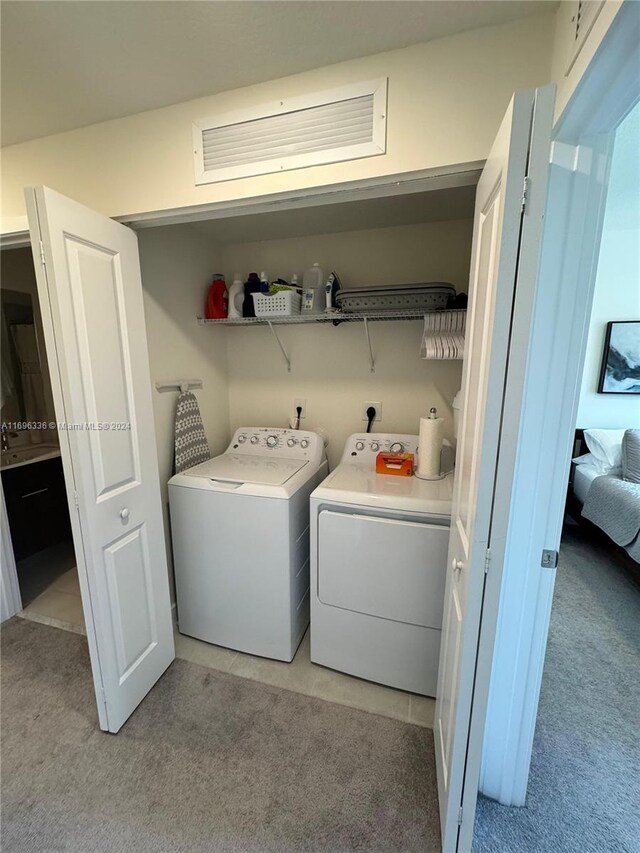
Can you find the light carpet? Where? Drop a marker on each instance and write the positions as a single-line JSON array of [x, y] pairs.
[[209, 762], [584, 784]]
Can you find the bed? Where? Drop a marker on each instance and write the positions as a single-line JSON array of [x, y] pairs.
[[604, 488]]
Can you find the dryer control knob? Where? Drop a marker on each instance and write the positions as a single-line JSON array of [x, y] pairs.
[[304, 443], [272, 440], [375, 445], [291, 442], [242, 439], [397, 447], [254, 439], [359, 445]]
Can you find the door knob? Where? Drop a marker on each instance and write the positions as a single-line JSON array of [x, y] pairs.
[[457, 565], [124, 513]]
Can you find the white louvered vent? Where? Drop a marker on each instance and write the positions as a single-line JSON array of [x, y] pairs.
[[585, 15], [327, 127]]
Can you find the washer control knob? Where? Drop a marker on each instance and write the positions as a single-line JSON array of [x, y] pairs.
[[254, 439], [359, 445], [375, 445], [291, 442], [397, 447], [304, 442], [272, 440], [242, 439]]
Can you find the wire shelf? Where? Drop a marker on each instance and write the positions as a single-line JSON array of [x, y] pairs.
[[335, 317]]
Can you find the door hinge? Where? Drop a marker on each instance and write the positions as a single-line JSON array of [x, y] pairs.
[[460, 816], [525, 192], [75, 500], [487, 561], [42, 257], [549, 559]]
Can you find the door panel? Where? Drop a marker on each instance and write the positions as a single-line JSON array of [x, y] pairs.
[[91, 296], [134, 629], [97, 298], [498, 240]]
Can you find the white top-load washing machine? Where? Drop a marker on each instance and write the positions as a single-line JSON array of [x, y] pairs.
[[378, 563], [240, 529]]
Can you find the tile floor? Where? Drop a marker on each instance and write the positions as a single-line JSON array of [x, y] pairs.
[[60, 604], [37, 572], [302, 676]]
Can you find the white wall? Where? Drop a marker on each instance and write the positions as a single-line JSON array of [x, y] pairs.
[[330, 367], [177, 263], [446, 100], [617, 290]]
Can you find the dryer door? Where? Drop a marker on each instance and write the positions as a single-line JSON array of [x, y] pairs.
[[383, 567]]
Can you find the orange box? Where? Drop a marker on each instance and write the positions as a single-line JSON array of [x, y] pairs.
[[397, 464]]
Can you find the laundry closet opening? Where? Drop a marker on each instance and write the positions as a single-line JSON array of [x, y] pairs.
[[424, 236]]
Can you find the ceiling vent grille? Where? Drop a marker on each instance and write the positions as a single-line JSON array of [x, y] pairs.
[[585, 15], [327, 127]]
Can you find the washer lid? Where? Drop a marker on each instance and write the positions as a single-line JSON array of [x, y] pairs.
[[242, 468]]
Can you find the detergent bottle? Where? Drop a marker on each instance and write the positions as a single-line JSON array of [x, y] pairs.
[[217, 299]]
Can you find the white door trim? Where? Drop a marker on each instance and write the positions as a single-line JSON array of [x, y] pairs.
[[15, 234], [11, 600], [580, 160]]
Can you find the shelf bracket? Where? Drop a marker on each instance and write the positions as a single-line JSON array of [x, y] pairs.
[[282, 349], [372, 361]]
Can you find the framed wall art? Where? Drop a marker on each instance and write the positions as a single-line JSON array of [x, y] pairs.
[[620, 371]]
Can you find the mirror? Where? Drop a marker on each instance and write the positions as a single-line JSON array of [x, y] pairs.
[[23, 397]]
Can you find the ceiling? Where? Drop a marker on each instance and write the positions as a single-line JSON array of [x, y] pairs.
[[391, 211], [69, 64]]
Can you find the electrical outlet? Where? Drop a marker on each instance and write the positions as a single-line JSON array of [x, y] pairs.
[[303, 405], [376, 405]]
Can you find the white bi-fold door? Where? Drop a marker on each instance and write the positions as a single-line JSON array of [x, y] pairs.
[[90, 292], [503, 264]]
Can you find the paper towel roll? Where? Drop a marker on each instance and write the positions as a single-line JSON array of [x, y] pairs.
[[429, 447]]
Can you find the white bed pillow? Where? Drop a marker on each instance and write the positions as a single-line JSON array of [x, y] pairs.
[[606, 446], [586, 459]]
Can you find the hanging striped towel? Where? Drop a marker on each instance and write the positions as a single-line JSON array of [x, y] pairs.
[[191, 446]]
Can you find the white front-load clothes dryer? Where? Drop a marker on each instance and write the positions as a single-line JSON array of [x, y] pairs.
[[378, 564], [240, 530]]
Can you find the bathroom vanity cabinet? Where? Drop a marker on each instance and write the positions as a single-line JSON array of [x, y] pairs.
[[36, 492]]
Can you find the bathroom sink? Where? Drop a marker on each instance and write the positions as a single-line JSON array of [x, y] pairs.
[[23, 455]]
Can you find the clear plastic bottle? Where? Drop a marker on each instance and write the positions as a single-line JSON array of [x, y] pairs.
[[236, 296], [313, 291]]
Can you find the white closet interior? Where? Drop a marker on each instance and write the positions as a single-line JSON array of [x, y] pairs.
[[423, 236]]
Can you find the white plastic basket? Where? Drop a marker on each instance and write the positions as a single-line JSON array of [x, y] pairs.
[[284, 303]]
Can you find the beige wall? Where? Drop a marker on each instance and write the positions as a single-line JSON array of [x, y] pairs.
[[176, 270], [330, 367], [446, 99]]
